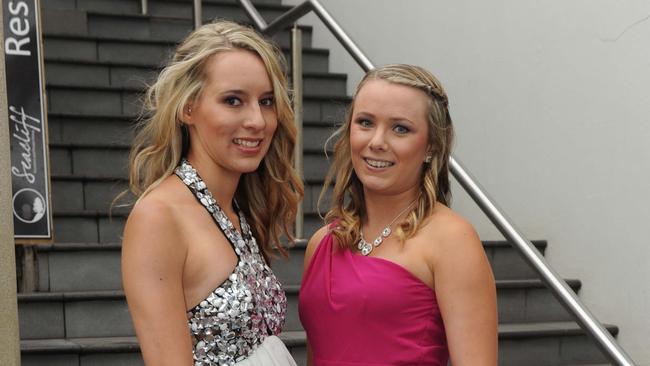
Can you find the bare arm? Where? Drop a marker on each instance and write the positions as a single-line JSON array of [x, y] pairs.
[[466, 294], [313, 243], [309, 252], [152, 268]]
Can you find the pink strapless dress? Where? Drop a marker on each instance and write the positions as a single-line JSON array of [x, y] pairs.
[[366, 311]]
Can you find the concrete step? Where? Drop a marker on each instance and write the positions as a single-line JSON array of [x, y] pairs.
[[532, 344], [82, 160], [92, 266], [170, 28], [97, 74], [142, 52], [76, 193], [104, 313], [119, 130], [105, 351], [178, 8], [127, 101]]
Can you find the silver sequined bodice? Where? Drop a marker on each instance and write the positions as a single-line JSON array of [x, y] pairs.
[[238, 315]]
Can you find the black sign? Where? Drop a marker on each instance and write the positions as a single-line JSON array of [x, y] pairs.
[[27, 120]]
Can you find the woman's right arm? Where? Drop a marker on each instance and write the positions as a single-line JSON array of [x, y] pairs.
[[153, 256]]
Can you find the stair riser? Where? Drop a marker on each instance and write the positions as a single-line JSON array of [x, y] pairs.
[[73, 359], [133, 6], [104, 318], [79, 270], [170, 30], [74, 319], [145, 54], [100, 131], [113, 163], [544, 351], [90, 131], [88, 229], [535, 351], [80, 75], [129, 103], [78, 195]]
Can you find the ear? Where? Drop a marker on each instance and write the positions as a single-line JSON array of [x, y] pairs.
[[186, 114]]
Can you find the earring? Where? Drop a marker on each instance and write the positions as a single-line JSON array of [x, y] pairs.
[[428, 158]]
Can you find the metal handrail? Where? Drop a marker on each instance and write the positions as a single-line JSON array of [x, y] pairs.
[[560, 289], [197, 11]]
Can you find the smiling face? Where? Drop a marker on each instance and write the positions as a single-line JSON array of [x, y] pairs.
[[389, 136], [233, 121]]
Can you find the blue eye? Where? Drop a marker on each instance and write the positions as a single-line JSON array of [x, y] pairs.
[[401, 129], [267, 102], [233, 101]]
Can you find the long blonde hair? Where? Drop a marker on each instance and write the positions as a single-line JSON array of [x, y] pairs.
[[270, 195], [347, 202]]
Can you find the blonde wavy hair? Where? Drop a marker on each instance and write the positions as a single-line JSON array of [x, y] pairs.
[[268, 196], [347, 201]]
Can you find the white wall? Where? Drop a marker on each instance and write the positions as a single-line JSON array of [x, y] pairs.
[[552, 112]]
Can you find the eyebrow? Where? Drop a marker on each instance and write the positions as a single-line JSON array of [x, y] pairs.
[[241, 92], [392, 119]]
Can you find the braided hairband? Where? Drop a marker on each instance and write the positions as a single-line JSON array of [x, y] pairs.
[[437, 96]]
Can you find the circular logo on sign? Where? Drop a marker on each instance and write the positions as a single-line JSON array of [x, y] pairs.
[[29, 205]]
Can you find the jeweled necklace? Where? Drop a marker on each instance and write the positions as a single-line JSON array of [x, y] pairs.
[[366, 248]]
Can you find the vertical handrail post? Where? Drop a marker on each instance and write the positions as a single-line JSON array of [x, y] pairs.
[[197, 14], [144, 6], [296, 76]]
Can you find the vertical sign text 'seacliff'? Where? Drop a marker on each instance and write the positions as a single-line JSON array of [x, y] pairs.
[[27, 121]]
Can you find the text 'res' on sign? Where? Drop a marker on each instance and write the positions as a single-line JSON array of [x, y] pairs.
[[30, 168]]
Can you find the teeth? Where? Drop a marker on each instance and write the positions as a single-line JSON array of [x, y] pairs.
[[379, 163], [247, 143]]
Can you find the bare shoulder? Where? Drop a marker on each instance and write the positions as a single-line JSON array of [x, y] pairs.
[[451, 234], [313, 243], [153, 221]]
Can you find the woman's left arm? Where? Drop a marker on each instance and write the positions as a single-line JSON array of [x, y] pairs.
[[466, 294]]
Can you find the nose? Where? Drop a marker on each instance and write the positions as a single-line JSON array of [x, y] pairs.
[[378, 141], [255, 118]]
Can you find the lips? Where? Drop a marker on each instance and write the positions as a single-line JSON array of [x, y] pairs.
[[375, 163], [247, 143]]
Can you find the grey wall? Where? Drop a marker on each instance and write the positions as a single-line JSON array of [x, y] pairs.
[[552, 112]]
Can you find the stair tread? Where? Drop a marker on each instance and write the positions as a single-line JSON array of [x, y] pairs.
[[114, 344], [158, 67], [515, 330], [300, 244], [137, 40], [335, 97], [291, 338], [291, 289]]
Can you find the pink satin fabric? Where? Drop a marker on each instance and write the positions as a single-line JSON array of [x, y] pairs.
[[366, 311]]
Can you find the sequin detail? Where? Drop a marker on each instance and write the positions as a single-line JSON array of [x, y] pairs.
[[238, 315]]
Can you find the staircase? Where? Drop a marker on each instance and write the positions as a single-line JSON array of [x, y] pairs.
[[98, 56]]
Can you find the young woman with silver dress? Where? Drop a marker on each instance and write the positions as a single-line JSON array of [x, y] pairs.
[[211, 168]]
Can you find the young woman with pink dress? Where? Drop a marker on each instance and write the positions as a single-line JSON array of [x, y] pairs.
[[395, 277]]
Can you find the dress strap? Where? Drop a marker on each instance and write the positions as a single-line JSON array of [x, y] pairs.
[[190, 177]]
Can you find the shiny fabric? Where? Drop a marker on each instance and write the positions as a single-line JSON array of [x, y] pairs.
[[248, 306], [361, 310], [272, 352]]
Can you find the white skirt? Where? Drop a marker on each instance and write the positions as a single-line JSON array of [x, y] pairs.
[[272, 352]]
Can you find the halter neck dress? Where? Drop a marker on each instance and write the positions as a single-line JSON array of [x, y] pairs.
[[362, 311], [238, 323]]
